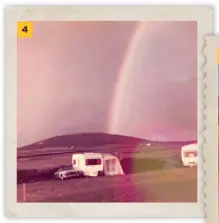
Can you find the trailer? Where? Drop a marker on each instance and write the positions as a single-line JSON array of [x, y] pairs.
[[97, 164], [189, 155]]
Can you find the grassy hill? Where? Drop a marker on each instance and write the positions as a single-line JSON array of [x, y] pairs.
[[97, 139]]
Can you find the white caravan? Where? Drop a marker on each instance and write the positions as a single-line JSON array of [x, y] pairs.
[[189, 155], [94, 164]]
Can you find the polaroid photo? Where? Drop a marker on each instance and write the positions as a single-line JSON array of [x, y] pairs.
[[210, 151], [105, 110]]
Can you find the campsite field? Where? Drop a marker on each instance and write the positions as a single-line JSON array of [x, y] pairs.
[[146, 177], [175, 185], [139, 185]]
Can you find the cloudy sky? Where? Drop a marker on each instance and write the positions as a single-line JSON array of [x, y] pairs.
[[137, 79]]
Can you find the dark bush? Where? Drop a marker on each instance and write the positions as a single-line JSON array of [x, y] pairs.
[[30, 175]]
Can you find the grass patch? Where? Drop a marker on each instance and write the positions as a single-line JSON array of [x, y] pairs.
[[139, 165]]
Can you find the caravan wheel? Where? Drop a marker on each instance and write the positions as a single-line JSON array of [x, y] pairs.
[[100, 173]]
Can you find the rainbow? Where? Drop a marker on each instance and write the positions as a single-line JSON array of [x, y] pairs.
[[119, 91]]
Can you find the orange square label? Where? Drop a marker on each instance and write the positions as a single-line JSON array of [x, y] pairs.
[[25, 29]]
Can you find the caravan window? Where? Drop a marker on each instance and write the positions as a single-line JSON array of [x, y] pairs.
[[190, 153], [91, 162]]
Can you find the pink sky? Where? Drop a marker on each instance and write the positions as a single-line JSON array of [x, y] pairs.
[[68, 73]]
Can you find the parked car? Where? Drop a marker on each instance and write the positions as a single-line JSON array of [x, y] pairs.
[[67, 172]]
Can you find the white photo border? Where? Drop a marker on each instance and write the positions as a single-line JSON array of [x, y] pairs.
[[203, 15], [210, 150]]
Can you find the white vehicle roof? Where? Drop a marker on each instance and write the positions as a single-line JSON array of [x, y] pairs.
[[87, 154], [94, 155], [190, 147]]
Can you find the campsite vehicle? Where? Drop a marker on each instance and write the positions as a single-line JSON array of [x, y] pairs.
[[67, 172], [189, 155], [95, 164]]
